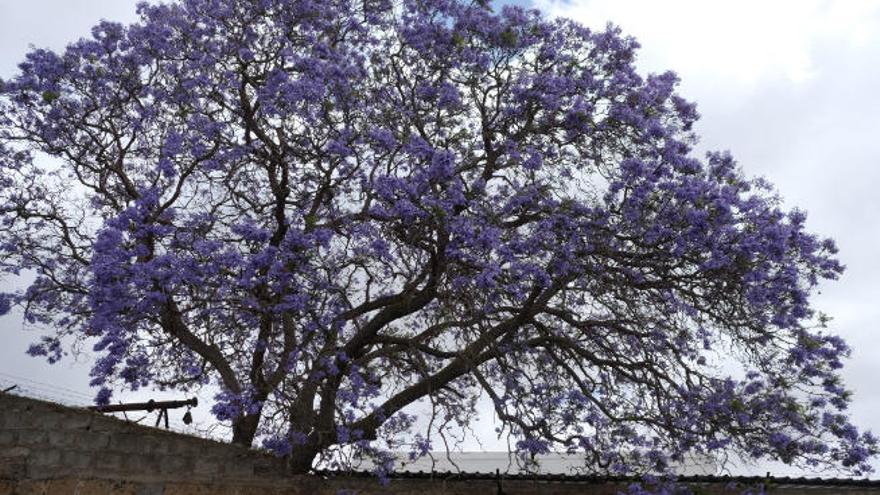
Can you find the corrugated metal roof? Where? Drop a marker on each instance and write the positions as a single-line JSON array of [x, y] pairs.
[[555, 463], [596, 479]]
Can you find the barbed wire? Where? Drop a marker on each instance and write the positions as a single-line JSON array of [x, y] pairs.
[[35, 389], [55, 393]]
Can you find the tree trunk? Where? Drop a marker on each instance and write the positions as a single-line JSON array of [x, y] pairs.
[[301, 459], [244, 428]]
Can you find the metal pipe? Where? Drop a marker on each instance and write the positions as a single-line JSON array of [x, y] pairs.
[[148, 406]]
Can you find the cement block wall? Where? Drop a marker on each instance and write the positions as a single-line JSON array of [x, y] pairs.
[[48, 449], [41, 441]]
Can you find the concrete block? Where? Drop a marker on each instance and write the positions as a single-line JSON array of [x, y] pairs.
[[108, 462], [33, 437], [151, 445], [63, 439], [49, 420], [8, 438], [240, 470], [176, 465], [140, 467], [128, 443], [271, 467], [210, 449], [181, 446], [20, 418], [17, 451], [81, 421], [12, 468], [207, 468], [9, 406], [93, 441], [44, 458], [76, 461], [105, 424]]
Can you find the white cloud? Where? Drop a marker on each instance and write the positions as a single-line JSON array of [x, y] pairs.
[[746, 41], [51, 24], [790, 88]]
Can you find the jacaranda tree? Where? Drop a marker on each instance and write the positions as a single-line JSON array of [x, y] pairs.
[[342, 213]]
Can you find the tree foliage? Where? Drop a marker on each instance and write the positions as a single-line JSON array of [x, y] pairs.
[[345, 212]]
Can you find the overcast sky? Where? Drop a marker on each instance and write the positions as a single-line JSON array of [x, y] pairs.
[[791, 88]]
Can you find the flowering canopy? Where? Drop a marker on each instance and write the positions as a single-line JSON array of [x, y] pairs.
[[338, 210]]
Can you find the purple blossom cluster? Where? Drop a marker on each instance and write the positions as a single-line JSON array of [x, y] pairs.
[[340, 212]]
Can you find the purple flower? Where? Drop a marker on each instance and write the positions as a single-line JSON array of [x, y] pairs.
[[339, 213]]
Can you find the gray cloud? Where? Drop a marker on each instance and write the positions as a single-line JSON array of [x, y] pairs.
[[792, 92], [52, 24], [790, 89]]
